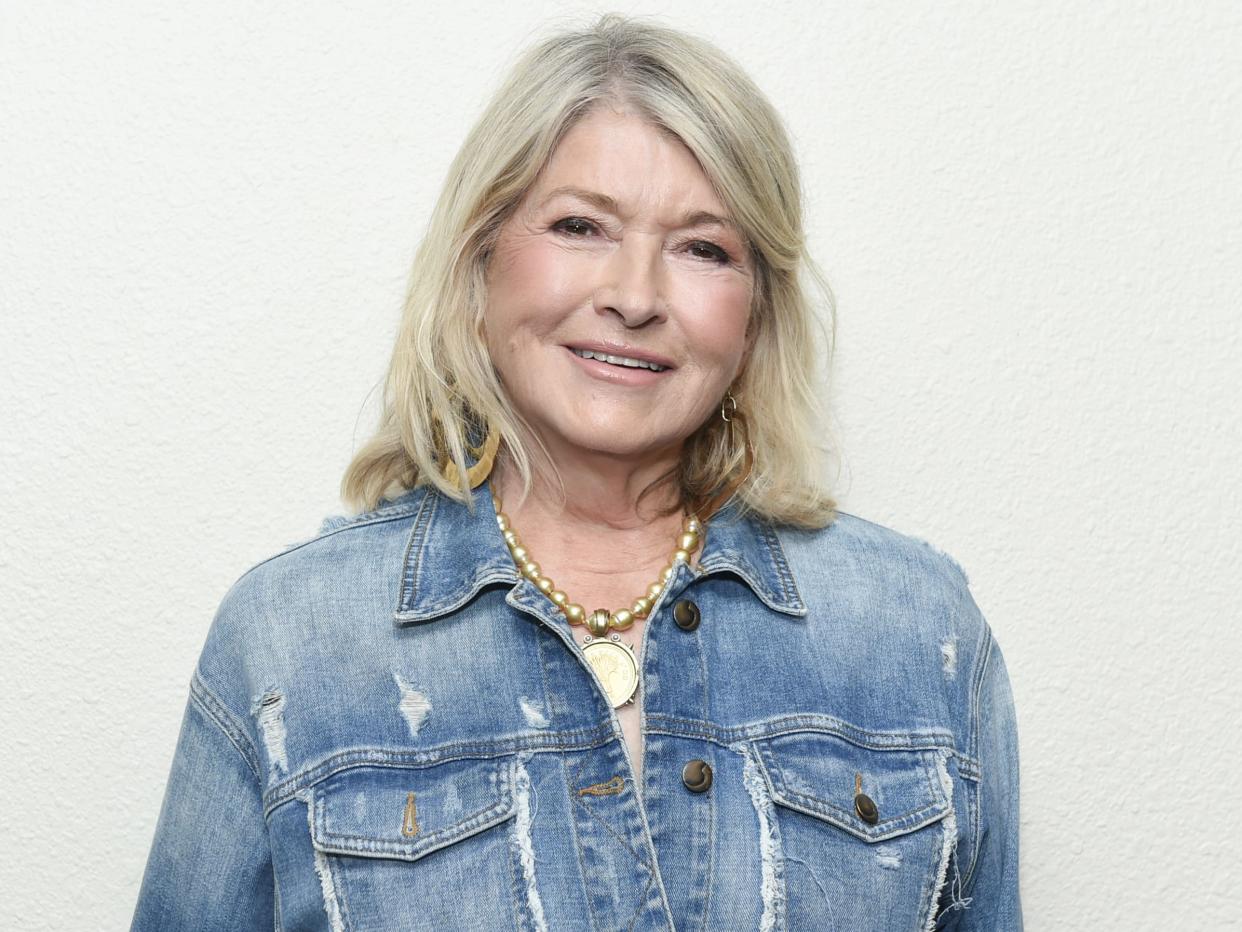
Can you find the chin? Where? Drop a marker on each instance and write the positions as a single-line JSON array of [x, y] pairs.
[[617, 444], [619, 437]]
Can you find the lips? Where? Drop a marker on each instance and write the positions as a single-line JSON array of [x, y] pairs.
[[615, 374], [622, 353], [625, 362]]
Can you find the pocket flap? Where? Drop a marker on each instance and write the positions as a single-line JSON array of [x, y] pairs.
[[816, 773], [407, 812]]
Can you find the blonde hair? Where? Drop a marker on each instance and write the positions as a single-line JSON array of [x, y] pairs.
[[441, 393]]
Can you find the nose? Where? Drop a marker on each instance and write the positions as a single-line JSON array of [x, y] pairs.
[[633, 284]]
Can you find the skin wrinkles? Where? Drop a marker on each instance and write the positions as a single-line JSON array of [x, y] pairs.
[[609, 206], [622, 238]]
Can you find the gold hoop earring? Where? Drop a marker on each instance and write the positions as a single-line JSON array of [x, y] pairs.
[[485, 459], [737, 424]]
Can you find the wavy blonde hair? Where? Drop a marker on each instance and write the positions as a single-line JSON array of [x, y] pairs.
[[441, 393]]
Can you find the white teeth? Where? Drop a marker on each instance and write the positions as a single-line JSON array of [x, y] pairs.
[[620, 360]]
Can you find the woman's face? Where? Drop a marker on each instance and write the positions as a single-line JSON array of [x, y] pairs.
[[621, 248]]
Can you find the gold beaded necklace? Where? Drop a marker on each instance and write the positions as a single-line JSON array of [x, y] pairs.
[[612, 659]]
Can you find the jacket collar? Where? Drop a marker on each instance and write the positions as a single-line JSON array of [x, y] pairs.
[[451, 555]]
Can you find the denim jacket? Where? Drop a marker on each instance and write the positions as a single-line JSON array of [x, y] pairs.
[[390, 728]]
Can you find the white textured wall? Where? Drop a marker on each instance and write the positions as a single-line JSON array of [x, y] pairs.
[[1030, 213]]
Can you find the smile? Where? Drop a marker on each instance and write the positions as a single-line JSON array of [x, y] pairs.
[[618, 360]]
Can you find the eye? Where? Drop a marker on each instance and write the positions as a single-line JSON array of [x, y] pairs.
[[705, 250], [574, 226]]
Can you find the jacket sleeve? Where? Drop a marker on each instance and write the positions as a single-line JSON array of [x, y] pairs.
[[991, 890], [210, 865]]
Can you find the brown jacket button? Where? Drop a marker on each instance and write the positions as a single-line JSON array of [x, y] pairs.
[[697, 776], [866, 809], [686, 614]]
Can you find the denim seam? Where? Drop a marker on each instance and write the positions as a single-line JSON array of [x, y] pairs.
[[776, 552], [899, 741], [646, 865], [833, 815], [578, 800], [983, 654], [731, 561], [434, 505], [455, 600], [907, 823], [709, 887], [217, 712], [380, 516], [418, 760], [277, 924], [932, 780], [487, 817], [374, 516], [541, 644], [575, 779], [711, 804], [967, 767], [577, 774], [977, 691], [642, 901], [572, 780], [412, 558], [978, 839], [573, 827]]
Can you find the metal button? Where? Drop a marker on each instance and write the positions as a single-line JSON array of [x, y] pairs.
[[686, 614], [865, 806], [697, 776]]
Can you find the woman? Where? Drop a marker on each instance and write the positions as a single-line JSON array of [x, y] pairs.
[[599, 652]]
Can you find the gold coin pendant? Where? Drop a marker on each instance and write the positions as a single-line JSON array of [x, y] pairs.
[[616, 666]]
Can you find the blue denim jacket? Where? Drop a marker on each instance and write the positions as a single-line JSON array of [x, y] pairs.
[[389, 728]]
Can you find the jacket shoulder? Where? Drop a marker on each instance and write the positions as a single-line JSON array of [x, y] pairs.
[[858, 560], [876, 539], [863, 537], [295, 594], [338, 537]]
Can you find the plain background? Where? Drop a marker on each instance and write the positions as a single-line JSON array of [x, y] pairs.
[[1030, 215]]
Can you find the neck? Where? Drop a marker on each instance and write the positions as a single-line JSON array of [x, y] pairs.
[[597, 540], [595, 491]]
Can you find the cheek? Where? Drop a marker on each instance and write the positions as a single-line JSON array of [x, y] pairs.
[[532, 288], [533, 284], [714, 319]]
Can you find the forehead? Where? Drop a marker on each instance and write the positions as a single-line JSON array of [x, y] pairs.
[[641, 166]]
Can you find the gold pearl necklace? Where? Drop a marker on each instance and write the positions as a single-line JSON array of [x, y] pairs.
[[612, 659]]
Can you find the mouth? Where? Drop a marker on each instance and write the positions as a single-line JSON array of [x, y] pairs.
[[627, 362]]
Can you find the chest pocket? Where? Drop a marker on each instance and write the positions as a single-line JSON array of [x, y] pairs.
[[865, 834], [398, 845]]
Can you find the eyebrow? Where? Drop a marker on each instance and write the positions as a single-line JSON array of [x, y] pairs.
[[608, 204]]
